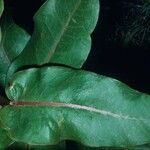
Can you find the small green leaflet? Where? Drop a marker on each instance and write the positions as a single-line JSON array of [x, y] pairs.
[[51, 104], [12, 43], [61, 35]]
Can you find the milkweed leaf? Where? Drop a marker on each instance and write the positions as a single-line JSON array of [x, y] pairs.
[[51, 104], [61, 35], [12, 43]]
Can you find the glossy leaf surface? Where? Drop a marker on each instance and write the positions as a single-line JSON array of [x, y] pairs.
[[61, 35], [54, 103], [12, 43]]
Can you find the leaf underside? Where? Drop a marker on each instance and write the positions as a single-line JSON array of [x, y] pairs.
[[54, 103], [61, 35]]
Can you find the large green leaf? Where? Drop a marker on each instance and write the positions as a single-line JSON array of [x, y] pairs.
[[61, 35], [12, 43], [1, 7], [51, 104]]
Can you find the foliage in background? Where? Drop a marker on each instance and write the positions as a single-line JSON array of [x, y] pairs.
[[132, 26]]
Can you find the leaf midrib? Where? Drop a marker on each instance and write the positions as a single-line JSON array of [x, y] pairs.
[[73, 106], [56, 44]]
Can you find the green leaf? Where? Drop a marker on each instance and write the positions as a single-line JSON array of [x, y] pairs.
[[4, 139], [61, 35], [51, 104], [1, 7], [12, 43]]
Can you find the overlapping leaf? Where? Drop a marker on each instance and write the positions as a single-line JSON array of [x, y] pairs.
[[61, 35], [54, 103], [12, 43]]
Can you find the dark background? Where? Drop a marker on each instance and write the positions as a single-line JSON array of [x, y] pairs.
[[110, 56], [121, 40]]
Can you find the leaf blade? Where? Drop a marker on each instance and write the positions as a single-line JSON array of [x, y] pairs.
[[12, 43], [82, 102], [62, 30]]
